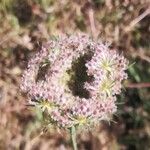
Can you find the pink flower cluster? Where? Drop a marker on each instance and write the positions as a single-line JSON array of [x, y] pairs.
[[46, 80]]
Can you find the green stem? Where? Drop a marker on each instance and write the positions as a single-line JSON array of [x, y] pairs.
[[73, 137]]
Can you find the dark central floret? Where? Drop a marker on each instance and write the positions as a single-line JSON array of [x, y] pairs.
[[79, 77]]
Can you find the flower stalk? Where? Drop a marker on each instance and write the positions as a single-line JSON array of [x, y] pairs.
[[73, 138]]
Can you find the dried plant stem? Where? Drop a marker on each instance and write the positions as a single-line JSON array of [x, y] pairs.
[[138, 19], [73, 137], [138, 85], [92, 23]]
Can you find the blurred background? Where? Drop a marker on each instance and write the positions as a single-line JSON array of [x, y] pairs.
[[25, 24]]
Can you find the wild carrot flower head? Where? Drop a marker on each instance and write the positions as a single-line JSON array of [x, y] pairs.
[[46, 80]]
